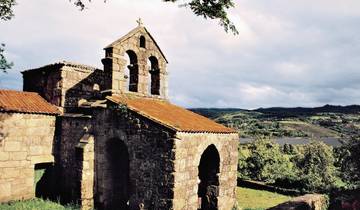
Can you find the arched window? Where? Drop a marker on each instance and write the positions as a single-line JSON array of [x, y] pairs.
[[132, 73], [154, 74], [142, 42]]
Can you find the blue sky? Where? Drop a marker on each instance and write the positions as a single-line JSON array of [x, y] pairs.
[[288, 53]]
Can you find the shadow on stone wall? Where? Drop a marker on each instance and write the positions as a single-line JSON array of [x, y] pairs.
[[3, 133], [87, 88], [45, 181]]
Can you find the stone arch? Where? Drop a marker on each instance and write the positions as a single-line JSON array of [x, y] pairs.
[[131, 73], [154, 76], [117, 171], [208, 188], [142, 41]]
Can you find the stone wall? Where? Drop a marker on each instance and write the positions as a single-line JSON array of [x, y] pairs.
[[86, 159], [46, 81], [305, 202], [189, 149], [150, 151], [71, 130], [64, 84], [79, 84], [25, 140], [115, 64]]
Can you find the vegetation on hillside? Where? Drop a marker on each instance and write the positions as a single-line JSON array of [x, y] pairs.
[[328, 121], [307, 168], [348, 161]]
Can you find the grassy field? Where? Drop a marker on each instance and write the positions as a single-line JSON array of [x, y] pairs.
[[249, 199], [310, 129], [35, 204]]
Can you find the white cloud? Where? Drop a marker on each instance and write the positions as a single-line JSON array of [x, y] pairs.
[[288, 53]]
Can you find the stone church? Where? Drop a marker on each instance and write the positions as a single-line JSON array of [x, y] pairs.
[[110, 139]]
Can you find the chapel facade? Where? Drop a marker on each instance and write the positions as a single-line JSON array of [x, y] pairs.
[[110, 138]]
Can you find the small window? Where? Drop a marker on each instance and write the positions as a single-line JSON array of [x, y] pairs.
[[96, 87], [142, 42]]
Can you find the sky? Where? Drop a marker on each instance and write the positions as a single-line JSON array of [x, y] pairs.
[[288, 53]]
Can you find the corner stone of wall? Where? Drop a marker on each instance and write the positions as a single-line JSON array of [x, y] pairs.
[[86, 168]]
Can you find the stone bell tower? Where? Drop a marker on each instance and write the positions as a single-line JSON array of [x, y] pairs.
[[135, 64]]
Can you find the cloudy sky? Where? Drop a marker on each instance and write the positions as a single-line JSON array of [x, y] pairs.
[[288, 53]]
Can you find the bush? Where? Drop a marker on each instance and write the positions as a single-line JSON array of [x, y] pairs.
[[308, 168], [315, 163], [265, 162], [348, 159]]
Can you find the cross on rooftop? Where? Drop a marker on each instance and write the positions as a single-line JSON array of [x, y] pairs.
[[140, 22]]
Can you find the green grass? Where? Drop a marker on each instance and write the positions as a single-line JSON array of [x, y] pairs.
[[35, 204], [312, 130], [38, 174], [249, 199]]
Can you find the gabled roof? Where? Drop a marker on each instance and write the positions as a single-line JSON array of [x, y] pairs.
[[169, 115], [130, 34], [25, 102]]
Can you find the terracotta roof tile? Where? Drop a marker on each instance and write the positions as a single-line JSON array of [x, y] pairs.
[[169, 115], [25, 102]]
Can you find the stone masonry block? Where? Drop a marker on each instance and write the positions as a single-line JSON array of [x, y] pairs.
[[4, 156], [11, 146]]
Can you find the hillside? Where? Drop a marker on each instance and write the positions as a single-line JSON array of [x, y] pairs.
[[340, 122]]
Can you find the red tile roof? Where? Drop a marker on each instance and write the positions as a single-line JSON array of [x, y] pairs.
[[25, 102], [169, 115]]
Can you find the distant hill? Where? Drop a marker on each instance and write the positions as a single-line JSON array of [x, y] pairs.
[[328, 121], [215, 112], [281, 111], [296, 111]]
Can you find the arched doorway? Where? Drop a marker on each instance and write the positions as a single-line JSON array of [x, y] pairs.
[[117, 175], [208, 189]]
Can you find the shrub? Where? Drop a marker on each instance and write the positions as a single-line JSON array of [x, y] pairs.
[[266, 162], [348, 159], [308, 168], [315, 162]]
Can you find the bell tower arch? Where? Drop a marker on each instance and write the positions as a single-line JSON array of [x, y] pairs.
[[136, 76]]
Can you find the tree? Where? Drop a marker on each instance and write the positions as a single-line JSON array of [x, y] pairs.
[[212, 9], [6, 9], [349, 162], [316, 164], [265, 162], [4, 64], [6, 13]]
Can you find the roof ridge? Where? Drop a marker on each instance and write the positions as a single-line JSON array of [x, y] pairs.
[[65, 63]]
